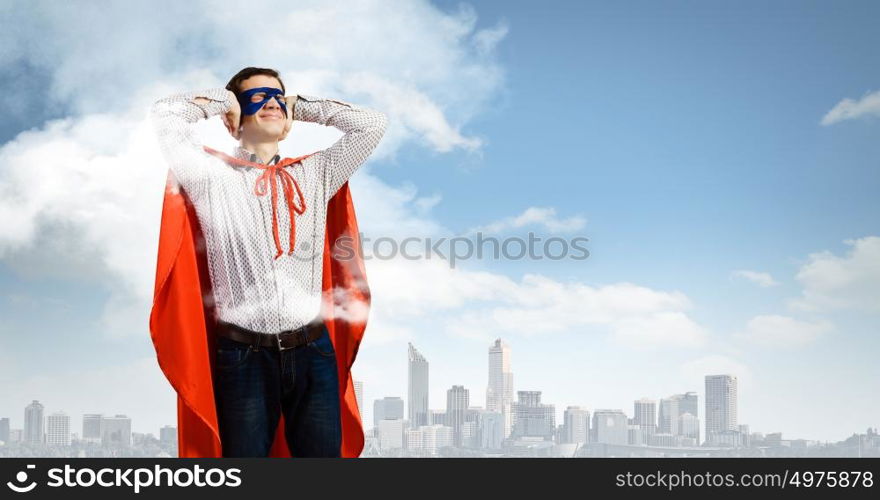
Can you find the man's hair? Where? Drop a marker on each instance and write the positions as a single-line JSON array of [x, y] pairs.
[[235, 82]]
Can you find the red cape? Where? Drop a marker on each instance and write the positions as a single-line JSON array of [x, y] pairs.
[[181, 324]]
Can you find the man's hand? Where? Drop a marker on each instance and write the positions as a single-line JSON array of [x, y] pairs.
[[290, 102], [232, 118]]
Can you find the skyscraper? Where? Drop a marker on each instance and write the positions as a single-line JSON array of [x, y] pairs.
[[92, 430], [168, 434], [58, 429], [456, 408], [387, 408], [531, 417], [645, 415], [499, 393], [414, 441], [610, 427], [577, 425], [721, 402], [33, 423], [689, 427], [435, 437], [417, 393], [667, 415], [677, 411], [491, 430], [689, 404], [4, 430], [436, 417], [116, 431], [359, 394], [390, 433]]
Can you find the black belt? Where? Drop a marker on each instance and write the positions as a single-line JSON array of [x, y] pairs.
[[285, 340]]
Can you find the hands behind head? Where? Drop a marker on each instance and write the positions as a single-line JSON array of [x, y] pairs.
[[290, 101], [232, 118]]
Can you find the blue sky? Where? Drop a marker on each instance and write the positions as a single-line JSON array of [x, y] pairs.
[[688, 136]]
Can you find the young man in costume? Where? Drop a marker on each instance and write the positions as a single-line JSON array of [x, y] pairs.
[[257, 314]]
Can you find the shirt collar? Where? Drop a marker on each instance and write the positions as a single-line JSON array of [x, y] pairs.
[[244, 154]]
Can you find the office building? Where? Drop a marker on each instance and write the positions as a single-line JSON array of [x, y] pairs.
[[359, 394], [4, 430], [610, 427], [168, 434], [417, 388], [390, 434], [58, 429], [116, 431], [34, 423], [92, 430], [531, 418], [645, 415], [387, 408], [499, 393], [576, 425], [721, 406], [456, 407]]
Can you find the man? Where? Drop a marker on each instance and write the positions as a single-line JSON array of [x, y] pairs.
[[282, 352]]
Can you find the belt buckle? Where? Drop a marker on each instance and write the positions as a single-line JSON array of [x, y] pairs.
[[278, 341], [301, 331]]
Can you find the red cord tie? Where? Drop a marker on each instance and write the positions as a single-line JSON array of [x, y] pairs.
[[271, 176]]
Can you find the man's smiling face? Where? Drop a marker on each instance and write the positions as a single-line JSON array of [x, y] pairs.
[[267, 123]]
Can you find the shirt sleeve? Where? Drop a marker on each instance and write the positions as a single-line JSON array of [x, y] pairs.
[[174, 121], [363, 130]]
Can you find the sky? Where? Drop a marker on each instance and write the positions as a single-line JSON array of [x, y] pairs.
[[721, 158]]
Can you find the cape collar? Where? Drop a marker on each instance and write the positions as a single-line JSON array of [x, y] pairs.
[[243, 154], [273, 175]]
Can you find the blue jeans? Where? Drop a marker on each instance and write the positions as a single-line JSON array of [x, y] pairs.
[[253, 387]]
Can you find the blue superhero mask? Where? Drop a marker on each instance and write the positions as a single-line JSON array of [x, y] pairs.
[[250, 104]]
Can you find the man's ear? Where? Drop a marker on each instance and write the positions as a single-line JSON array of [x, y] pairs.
[[287, 126]]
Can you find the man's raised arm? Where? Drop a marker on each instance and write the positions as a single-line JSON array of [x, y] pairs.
[[174, 120], [363, 130]]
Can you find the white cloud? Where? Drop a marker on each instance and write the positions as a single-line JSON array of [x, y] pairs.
[[481, 305], [487, 39], [485, 305], [393, 211], [848, 109], [93, 181], [87, 189], [763, 280], [99, 178], [852, 281], [429, 69], [96, 177], [773, 330], [544, 217]]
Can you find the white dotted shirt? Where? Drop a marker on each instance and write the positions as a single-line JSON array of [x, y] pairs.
[[251, 287]]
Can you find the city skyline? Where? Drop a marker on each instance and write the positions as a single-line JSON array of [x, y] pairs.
[[100, 435], [727, 190], [676, 413], [611, 430], [661, 415]]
